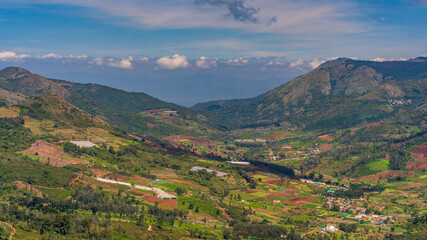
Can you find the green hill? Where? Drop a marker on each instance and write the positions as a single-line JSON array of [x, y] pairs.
[[339, 93], [119, 108]]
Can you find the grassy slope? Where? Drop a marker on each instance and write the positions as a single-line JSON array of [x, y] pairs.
[[344, 92]]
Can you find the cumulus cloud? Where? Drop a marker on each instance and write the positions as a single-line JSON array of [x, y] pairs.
[[12, 56], [56, 56], [50, 55], [380, 59], [236, 9], [174, 62], [125, 63], [315, 63], [237, 61], [97, 61], [142, 59], [205, 62], [297, 63], [77, 56]]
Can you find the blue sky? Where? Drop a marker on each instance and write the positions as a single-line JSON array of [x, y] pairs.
[[188, 51]]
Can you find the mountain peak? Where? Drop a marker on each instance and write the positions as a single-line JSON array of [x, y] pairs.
[[335, 62], [14, 72]]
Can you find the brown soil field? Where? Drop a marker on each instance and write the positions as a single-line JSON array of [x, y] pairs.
[[44, 149], [99, 173], [415, 165], [326, 137], [420, 154], [284, 134], [273, 181], [168, 203], [50, 152], [371, 125], [326, 147]]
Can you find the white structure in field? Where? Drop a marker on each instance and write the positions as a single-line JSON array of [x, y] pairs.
[[84, 144], [330, 228]]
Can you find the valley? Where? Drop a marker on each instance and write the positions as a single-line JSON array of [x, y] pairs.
[[338, 153]]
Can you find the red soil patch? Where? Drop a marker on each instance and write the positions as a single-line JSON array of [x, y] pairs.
[[44, 149], [326, 137], [273, 181], [291, 188], [374, 124], [299, 211], [415, 165], [169, 203], [326, 147], [274, 135], [152, 198], [420, 154], [98, 172], [283, 134], [50, 152]]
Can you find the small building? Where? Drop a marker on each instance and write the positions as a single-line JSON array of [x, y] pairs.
[[330, 228]]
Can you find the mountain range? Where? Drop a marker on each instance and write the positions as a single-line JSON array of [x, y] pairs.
[[339, 93]]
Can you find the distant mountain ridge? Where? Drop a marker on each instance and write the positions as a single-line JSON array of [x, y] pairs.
[[338, 93]]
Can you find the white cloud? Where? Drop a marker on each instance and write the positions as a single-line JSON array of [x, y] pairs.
[[297, 63], [142, 59], [380, 59], [174, 62], [50, 55], [97, 61], [205, 62], [237, 61], [12, 56], [315, 63], [77, 56], [125, 63]]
